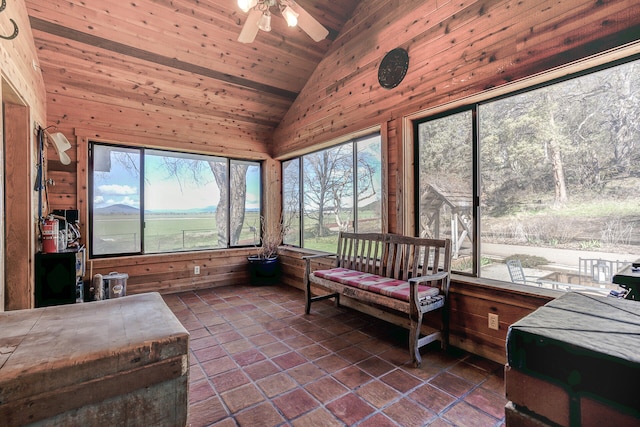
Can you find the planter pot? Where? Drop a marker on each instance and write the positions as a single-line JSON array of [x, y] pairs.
[[264, 271]]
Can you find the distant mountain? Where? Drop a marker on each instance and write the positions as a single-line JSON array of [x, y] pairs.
[[126, 209], [117, 209]]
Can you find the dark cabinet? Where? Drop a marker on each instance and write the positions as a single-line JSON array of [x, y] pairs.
[[59, 277]]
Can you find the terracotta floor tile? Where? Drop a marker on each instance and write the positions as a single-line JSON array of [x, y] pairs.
[[242, 397], [464, 415], [237, 346], [376, 366], [274, 349], [350, 408], [262, 339], [248, 357], [318, 417], [277, 384], [206, 412], [209, 353], [452, 384], [488, 401], [229, 336], [251, 330], [469, 372], [332, 363], [255, 358], [289, 360], [298, 342], [229, 380], [378, 420], [335, 344], [377, 393], [295, 403], [495, 383], [314, 352], [200, 391], [401, 380], [305, 373], [326, 389], [432, 398], [408, 413], [263, 415], [319, 335], [217, 366], [205, 342], [353, 354], [261, 370]]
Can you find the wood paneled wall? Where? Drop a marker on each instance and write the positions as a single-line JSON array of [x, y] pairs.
[[456, 50], [19, 61]]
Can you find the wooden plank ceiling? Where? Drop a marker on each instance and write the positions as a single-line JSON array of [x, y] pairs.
[[178, 58]]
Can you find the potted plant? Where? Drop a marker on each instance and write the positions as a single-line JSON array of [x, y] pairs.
[[264, 267]]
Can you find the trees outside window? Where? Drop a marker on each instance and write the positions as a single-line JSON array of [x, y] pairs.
[[155, 201], [336, 189], [558, 168]]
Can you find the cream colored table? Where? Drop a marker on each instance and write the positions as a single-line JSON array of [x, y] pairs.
[[115, 362]]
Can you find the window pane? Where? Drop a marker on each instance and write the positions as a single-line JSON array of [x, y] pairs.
[[115, 219], [446, 184], [560, 173], [182, 201], [291, 201], [369, 183], [328, 196], [245, 203]]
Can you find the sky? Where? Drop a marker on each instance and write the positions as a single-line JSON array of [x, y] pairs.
[[121, 185]]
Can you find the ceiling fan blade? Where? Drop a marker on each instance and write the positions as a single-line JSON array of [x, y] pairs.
[[309, 24], [250, 29]]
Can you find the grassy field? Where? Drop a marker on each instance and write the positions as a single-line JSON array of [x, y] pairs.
[[120, 233]]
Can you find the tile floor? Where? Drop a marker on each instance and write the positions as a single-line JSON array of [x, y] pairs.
[[258, 360]]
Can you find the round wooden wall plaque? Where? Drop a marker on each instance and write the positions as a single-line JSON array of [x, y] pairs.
[[393, 68]]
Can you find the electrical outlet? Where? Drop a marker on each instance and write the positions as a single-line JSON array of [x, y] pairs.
[[196, 269], [493, 322]]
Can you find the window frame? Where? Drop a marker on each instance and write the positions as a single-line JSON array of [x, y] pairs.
[[141, 149], [474, 105], [353, 141]]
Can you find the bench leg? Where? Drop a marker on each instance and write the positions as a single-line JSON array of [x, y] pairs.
[[414, 338]]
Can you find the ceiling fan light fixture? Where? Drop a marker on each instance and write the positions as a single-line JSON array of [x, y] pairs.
[[291, 16], [265, 21], [246, 5]]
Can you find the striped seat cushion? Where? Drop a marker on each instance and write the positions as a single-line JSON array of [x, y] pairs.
[[393, 288]]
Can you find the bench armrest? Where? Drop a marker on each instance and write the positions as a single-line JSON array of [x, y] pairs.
[[306, 257], [429, 277]]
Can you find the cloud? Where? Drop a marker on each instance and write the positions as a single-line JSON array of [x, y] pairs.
[[120, 190]]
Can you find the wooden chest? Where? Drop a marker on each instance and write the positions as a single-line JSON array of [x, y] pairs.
[[115, 362], [576, 362]]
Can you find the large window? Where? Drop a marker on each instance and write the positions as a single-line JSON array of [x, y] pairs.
[[333, 190], [547, 178], [154, 201]]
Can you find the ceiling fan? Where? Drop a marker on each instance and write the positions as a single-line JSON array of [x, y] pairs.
[[260, 18]]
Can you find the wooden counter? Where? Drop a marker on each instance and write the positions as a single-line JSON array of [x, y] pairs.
[[115, 362]]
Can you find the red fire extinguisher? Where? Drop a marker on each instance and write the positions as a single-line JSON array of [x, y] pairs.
[[50, 235]]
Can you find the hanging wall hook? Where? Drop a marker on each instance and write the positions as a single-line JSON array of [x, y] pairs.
[[15, 26]]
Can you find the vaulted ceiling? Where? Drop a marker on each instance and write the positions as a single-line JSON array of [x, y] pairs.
[[178, 57]]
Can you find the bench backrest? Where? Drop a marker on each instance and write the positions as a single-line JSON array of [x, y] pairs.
[[392, 255]]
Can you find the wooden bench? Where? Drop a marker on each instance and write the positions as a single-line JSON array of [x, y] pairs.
[[406, 275]]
